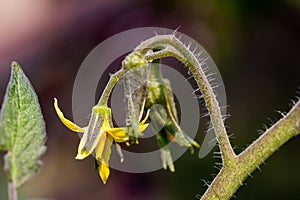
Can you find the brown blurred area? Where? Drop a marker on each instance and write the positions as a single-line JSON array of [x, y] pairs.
[[255, 45]]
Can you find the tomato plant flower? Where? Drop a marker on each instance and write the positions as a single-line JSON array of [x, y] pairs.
[[98, 136]]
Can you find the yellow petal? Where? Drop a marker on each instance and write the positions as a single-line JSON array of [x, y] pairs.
[[105, 124], [83, 152], [103, 171], [100, 147], [107, 149], [119, 140], [103, 162], [65, 121], [142, 127], [119, 134]]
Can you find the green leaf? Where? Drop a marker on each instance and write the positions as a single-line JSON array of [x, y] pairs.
[[22, 128]]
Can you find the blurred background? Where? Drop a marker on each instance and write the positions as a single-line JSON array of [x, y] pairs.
[[255, 44]]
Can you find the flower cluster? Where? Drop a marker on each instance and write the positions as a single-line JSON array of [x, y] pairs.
[[145, 89]]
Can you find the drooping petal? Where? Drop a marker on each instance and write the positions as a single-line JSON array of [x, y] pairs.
[[118, 134], [103, 171], [82, 152], [143, 127], [107, 149], [103, 163], [85, 148], [65, 121], [100, 147]]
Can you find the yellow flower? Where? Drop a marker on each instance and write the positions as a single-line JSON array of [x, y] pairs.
[[98, 136]]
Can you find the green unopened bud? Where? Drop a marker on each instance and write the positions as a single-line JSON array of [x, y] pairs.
[[133, 60], [164, 117], [135, 81]]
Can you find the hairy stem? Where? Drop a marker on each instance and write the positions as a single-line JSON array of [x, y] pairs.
[[230, 178], [174, 47], [109, 87], [12, 191]]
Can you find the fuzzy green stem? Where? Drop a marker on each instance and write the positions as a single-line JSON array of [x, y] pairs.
[[12, 191], [230, 178], [174, 47], [109, 87]]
